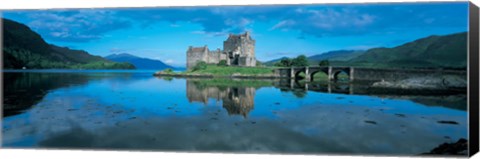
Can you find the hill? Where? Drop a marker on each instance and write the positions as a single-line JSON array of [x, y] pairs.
[[272, 62], [338, 55], [139, 62], [23, 47], [448, 51], [335, 56]]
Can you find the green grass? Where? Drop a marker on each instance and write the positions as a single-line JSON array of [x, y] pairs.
[[230, 70], [322, 77], [219, 82], [317, 77]]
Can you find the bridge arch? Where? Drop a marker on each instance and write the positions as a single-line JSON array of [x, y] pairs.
[[312, 75], [298, 72], [333, 73], [337, 73]]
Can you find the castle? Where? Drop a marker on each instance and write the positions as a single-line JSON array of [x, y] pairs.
[[238, 50]]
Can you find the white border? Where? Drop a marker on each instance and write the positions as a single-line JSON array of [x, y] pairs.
[[48, 4], [82, 154]]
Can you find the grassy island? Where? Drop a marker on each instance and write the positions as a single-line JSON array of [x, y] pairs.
[[211, 70], [231, 70]]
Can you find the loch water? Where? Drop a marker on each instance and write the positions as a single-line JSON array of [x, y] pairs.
[[133, 110]]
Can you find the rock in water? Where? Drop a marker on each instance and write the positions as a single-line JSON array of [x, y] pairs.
[[371, 122], [447, 122], [458, 148], [428, 82]]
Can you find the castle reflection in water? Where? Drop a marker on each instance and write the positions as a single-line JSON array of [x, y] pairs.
[[237, 96], [236, 100]]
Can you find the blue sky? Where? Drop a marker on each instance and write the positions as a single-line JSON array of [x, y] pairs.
[[279, 30]]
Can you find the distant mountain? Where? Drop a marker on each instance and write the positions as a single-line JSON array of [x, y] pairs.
[[447, 51], [139, 62], [23, 47], [272, 62], [433, 51], [338, 55]]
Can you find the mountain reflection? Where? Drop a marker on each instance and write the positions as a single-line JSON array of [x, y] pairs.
[[23, 90], [136, 111], [238, 95], [236, 98]]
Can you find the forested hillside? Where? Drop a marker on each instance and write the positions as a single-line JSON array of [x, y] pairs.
[[24, 48]]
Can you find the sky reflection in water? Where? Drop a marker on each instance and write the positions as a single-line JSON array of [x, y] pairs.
[[136, 111]]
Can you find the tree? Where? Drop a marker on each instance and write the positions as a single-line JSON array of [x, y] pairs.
[[301, 60], [285, 62], [168, 70], [324, 63], [200, 66], [222, 63], [278, 64], [259, 64]]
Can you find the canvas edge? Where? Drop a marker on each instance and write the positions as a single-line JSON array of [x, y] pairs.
[[472, 56], [1, 79], [473, 79]]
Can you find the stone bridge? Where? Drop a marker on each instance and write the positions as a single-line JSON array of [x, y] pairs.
[[363, 74], [332, 72]]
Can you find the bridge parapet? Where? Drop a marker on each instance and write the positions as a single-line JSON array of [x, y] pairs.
[[370, 74], [364, 74]]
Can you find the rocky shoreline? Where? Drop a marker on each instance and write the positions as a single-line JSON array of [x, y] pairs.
[[239, 76], [431, 85], [428, 83], [458, 148]]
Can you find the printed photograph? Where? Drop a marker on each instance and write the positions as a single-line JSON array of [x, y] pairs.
[[385, 79]]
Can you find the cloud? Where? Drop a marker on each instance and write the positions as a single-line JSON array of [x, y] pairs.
[[210, 34], [315, 20], [73, 25], [213, 20], [283, 24], [283, 54], [169, 61], [345, 20], [117, 50], [362, 47], [174, 25]]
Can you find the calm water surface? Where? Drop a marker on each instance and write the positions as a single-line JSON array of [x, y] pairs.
[[134, 110]]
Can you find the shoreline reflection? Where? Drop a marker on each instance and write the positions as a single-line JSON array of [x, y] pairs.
[[137, 111], [236, 100]]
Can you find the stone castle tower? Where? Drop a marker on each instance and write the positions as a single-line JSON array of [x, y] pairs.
[[238, 50]]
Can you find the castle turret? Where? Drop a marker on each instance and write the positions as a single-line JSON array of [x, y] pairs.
[[241, 49]]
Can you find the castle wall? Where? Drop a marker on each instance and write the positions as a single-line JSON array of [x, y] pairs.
[[236, 100], [248, 47], [244, 46], [194, 58], [224, 57], [237, 50], [195, 55], [202, 94], [214, 57], [244, 42], [247, 61], [229, 46]]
